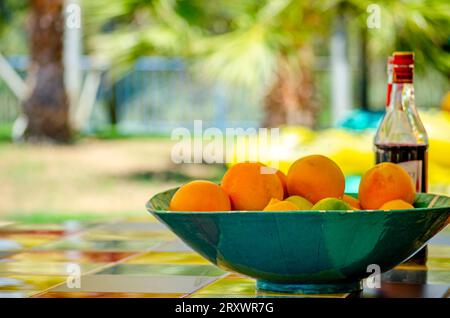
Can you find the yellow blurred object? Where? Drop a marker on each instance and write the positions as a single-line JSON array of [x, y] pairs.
[[445, 104], [353, 151]]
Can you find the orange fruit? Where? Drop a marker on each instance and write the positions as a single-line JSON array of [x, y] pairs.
[[396, 205], [200, 195], [354, 203], [315, 177], [248, 188], [277, 205], [283, 179], [385, 182]]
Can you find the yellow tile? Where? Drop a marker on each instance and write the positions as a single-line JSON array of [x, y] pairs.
[[168, 258], [27, 240], [438, 263], [147, 218], [238, 287], [438, 251], [229, 286], [236, 275], [42, 268], [5, 223]]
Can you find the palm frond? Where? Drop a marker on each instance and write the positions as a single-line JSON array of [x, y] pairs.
[[256, 34]]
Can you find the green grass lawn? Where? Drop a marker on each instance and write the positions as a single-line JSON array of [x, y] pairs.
[[5, 132], [90, 179]]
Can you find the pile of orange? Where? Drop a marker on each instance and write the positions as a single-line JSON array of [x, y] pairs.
[[312, 183]]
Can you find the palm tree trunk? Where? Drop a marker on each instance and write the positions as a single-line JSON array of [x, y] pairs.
[[364, 67], [291, 99], [46, 105]]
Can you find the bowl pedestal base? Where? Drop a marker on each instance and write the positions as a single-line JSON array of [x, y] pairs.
[[334, 288]]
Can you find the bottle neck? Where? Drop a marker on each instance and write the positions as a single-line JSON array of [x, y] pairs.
[[402, 97]]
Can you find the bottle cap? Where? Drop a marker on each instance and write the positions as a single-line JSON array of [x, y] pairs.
[[403, 63], [403, 58], [402, 74]]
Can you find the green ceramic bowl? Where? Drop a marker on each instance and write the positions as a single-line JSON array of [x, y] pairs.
[[306, 251]]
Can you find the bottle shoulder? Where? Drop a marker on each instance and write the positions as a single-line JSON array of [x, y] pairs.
[[401, 127]]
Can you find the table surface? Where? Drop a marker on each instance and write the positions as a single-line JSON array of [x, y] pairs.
[[141, 258]]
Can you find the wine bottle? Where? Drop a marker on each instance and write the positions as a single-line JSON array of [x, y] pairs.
[[401, 137]]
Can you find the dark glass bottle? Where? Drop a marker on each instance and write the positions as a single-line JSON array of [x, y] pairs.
[[401, 137]]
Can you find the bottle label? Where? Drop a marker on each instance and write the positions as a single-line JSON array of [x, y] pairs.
[[414, 169]]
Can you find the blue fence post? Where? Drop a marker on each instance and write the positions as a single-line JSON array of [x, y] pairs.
[[220, 106]]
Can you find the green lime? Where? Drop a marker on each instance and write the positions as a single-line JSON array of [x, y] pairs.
[[331, 204], [300, 202]]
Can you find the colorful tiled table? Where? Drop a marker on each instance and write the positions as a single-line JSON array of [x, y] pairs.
[[141, 258]]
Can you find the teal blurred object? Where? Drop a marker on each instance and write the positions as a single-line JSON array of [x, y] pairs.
[[352, 184], [361, 120], [306, 251]]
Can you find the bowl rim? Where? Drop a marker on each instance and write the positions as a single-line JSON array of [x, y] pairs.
[[297, 212]]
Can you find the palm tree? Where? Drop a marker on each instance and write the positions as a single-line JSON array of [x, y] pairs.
[[46, 104], [269, 46]]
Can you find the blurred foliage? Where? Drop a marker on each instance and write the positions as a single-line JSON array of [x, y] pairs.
[[5, 132], [12, 26], [243, 41]]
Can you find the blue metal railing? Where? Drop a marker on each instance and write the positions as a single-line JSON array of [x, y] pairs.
[[159, 94], [156, 95]]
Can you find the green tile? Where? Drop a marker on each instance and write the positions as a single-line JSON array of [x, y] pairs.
[[438, 277], [29, 282], [157, 269], [42, 268], [438, 251], [79, 244], [5, 254], [174, 246], [66, 227], [26, 227]]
